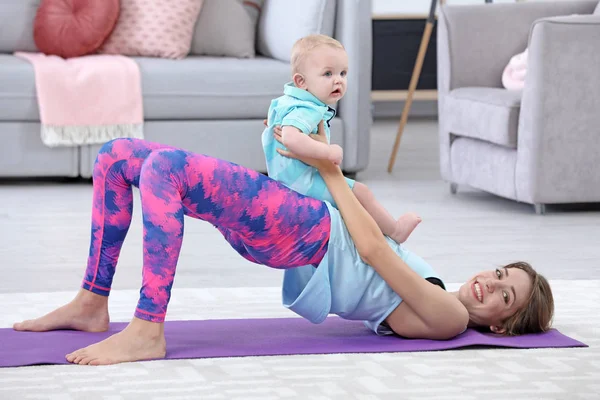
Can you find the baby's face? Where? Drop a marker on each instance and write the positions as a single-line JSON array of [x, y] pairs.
[[324, 71]]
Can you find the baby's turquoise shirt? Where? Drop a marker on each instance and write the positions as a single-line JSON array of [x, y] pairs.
[[302, 110]]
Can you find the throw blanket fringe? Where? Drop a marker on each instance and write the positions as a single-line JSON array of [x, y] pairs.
[[87, 100], [54, 136]]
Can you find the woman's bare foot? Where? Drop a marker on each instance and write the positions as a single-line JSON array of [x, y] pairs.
[[405, 225], [141, 340], [86, 312]]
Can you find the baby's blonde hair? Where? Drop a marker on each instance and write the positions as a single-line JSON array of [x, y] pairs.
[[305, 45]]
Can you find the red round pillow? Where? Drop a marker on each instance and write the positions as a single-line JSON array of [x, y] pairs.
[[73, 28]]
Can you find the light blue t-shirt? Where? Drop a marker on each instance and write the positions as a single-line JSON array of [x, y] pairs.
[[344, 285], [301, 109]]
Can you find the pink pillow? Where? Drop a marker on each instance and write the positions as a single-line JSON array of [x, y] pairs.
[[73, 28], [154, 28]]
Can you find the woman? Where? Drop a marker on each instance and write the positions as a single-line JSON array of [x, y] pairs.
[[331, 267]]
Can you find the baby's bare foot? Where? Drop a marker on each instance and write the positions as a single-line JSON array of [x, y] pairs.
[[86, 312], [405, 225], [141, 340]]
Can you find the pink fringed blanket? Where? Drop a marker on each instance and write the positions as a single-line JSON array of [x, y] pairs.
[[513, 77], [87, 100]]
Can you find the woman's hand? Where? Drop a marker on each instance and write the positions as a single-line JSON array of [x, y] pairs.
[[319, 164]]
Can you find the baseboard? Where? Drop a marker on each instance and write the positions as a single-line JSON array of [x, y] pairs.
[[388, 109]]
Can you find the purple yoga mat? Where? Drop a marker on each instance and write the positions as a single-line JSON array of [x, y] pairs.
[[258, 337]]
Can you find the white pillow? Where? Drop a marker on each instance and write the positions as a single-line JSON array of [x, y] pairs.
[[282, 22], [597, 10]]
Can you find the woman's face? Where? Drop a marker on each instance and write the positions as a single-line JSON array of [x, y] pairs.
[[492, 296]]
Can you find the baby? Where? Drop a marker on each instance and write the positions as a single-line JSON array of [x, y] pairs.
[[319, 68]]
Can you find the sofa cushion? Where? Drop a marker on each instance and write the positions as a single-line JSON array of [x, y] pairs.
[[154, 28], [275, 37], [16, 25], [227, 28], [74, 28], [193, 88], [489, 114]]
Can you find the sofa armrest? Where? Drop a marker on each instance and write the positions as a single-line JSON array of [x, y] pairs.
[[353, 28], [559, 126], [474, 43]]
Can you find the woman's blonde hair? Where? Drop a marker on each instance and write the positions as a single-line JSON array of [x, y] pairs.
[[537, 313], [305, 45]]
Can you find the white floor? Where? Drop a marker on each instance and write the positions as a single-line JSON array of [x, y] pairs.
[[44, 231]]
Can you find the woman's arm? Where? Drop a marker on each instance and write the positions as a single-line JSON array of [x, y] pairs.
[[441, 313], [365, 232]]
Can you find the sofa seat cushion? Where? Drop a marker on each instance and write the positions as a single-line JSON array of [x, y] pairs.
[[489, 114], [200, 87], [194, 88]]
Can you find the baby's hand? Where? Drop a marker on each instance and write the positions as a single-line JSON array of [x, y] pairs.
[[336, 154]]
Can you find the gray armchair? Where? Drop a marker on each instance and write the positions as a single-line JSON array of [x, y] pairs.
[[540, 145]]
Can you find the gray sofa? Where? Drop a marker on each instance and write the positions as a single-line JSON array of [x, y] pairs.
[[540, 145], [211, 105]]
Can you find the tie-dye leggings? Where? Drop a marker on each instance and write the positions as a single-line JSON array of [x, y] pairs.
[[263, 220]]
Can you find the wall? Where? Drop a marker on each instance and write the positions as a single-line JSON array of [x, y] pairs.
[[421, 6], [417, 6]]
